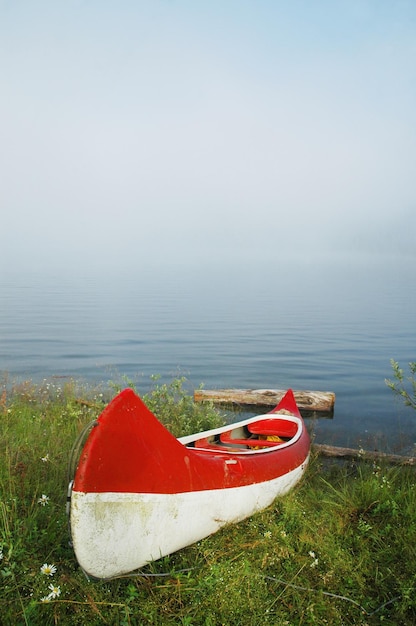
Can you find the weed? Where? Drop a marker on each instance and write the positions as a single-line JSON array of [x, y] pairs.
[[403, 386]]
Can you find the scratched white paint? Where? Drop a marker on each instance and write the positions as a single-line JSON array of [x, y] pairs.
[[117, 533]]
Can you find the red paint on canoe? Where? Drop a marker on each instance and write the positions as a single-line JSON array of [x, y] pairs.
[[130, 451]]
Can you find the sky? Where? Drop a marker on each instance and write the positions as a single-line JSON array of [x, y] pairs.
[[140, 132]]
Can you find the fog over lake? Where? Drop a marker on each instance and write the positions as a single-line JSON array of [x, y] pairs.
[[298, 325]]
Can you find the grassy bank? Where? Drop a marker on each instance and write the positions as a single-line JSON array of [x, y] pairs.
[[339, 549]]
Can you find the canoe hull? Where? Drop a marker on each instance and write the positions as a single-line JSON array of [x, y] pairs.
[[116, 533], [139, 493]]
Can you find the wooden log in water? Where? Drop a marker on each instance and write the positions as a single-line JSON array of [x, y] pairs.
[[367, 455], [321, 402]]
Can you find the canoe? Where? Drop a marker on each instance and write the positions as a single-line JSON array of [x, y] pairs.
[[139, 493]]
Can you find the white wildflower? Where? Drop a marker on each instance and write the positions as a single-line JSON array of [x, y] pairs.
[[43, 500], [55, 591], [48, 570], [45, 459]]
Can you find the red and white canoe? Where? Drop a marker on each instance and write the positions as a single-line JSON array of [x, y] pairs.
[[140, 494]]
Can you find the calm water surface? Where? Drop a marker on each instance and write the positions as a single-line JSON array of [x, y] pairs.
[[311, 326]]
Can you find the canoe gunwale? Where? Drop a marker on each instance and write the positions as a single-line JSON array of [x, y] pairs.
[[189, 439]]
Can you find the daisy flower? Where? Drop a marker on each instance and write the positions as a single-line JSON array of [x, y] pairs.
[[55, 591], [45, 459], [43, 500], [48, 570], [45, 599]]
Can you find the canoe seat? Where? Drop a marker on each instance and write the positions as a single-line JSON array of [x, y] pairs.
[[274, 426]]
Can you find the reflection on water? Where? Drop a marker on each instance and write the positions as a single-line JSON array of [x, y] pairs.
[[311, 327]]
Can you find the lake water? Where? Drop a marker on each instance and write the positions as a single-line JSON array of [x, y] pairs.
[[319, 326]]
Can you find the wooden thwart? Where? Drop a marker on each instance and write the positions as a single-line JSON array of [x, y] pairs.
[[313, 401]]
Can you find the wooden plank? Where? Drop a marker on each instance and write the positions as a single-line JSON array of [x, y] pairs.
[[307, 401], [368, 455]]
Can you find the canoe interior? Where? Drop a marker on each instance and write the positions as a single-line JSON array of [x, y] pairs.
[[261, 433]]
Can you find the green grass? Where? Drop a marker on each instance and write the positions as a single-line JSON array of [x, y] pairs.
[[339, 549]]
